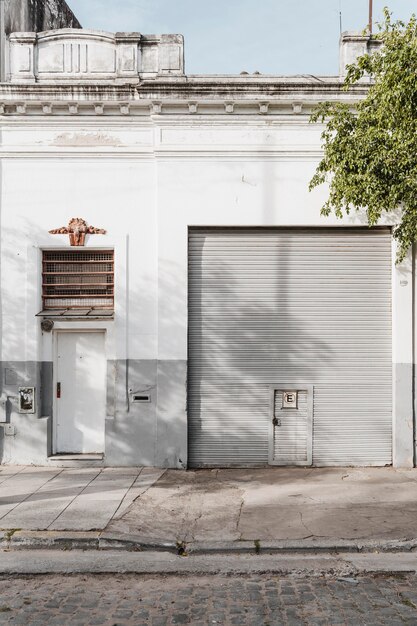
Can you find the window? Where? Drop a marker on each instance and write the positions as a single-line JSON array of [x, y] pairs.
[[74, 279]]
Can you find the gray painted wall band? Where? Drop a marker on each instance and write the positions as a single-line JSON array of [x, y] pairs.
[[403, 415], [146, 433], [153, 433], [15, 374], [46, 388]]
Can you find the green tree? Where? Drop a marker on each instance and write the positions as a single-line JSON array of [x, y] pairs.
[[370, 153]]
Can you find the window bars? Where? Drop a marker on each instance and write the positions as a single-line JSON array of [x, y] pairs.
[[74, 279]]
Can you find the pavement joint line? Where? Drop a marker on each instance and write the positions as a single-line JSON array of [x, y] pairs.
[[12, 475], [124, 497], [140, 495], [32, 493], [98, 470]]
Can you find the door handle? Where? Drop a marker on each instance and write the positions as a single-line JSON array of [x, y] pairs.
[[58, 390], [276, 422]]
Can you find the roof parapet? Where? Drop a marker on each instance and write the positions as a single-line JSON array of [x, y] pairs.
[[66, 55], [352, 46]]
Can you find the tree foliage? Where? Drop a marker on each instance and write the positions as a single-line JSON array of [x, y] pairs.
[[370, 153]]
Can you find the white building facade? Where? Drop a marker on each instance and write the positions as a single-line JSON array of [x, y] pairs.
[[201, 312]]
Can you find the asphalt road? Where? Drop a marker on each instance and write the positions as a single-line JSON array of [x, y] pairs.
[[252, 600]]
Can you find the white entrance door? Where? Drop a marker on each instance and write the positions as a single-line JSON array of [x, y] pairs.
[[80, 390]]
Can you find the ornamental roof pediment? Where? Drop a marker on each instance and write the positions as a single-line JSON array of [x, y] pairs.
[[62, 56]]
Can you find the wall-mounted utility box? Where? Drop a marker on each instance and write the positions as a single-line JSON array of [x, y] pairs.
[[9, 430], [27, 400]]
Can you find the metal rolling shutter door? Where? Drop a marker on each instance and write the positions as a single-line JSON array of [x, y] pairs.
[[273, 305]]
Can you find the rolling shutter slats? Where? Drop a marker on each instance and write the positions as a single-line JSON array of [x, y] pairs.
[[272, 305]]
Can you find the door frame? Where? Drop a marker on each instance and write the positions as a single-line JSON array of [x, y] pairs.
[[55, 372], [292, 386]]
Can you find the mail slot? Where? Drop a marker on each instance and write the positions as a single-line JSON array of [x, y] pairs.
[[290, 400], [141, 397]]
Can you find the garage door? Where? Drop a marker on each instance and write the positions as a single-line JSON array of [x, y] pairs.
[[275, 312]]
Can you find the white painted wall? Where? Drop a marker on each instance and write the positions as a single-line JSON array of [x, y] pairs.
[[146, 180], [111, 194], [145, 198]]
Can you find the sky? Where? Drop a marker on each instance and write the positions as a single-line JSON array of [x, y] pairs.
[[231, 36]]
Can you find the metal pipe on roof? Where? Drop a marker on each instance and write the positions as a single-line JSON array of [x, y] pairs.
[[340, 16], [370, 24]]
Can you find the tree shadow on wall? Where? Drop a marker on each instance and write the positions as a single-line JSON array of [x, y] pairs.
[[19, 332], [243, 337]]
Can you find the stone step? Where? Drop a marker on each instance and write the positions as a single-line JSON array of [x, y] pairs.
[[76, 460]]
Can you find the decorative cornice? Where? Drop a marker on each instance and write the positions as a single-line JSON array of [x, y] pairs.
[[231, 156], [167, 97], [163, 88], [237, 88], [111, 111]]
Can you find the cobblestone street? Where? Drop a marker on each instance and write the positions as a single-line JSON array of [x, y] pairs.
[[124, 600]]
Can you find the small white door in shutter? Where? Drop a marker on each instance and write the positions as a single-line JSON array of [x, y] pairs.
[[291, 433]]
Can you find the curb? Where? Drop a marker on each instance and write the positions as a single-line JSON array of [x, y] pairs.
[[98, 540], [303, 546], [94, 540]]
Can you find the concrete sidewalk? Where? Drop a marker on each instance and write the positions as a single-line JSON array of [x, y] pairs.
[[56, 499], [273, 508], [276, 504]]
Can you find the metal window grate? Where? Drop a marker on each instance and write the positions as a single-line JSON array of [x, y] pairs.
[[78, 279]]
